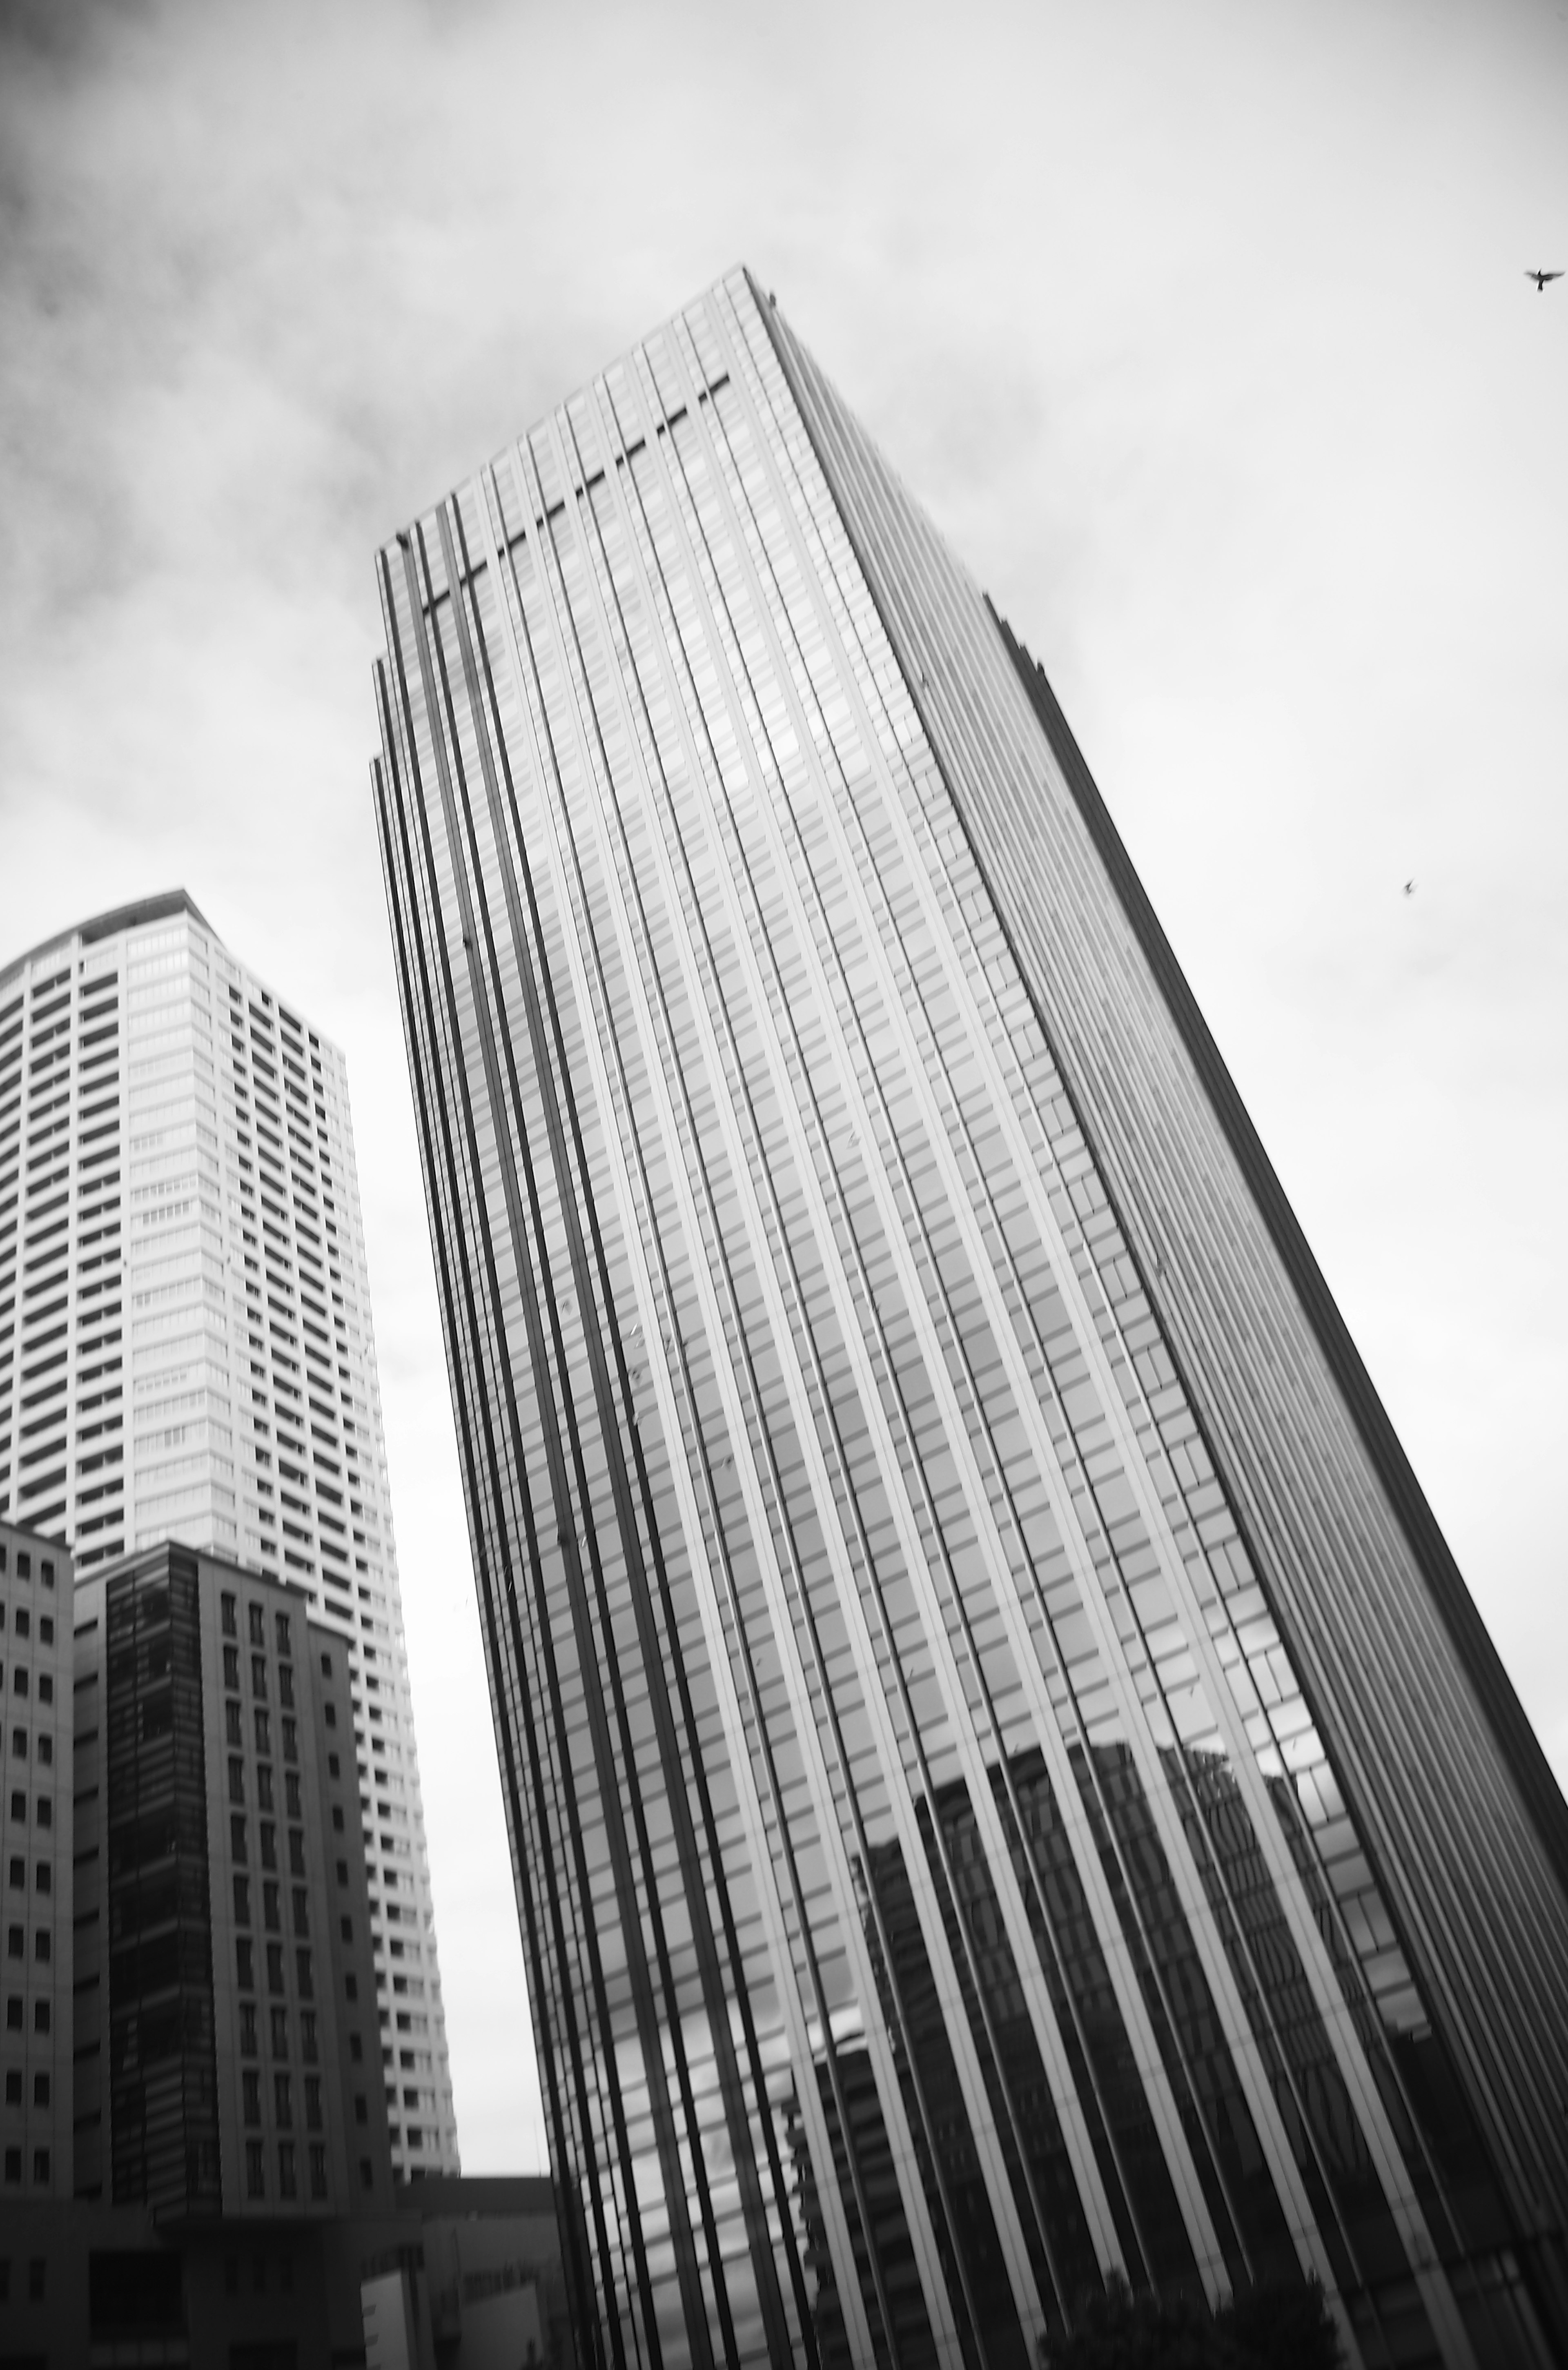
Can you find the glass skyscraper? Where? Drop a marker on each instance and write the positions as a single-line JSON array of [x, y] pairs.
[[1007, 1785], [186, 1349]]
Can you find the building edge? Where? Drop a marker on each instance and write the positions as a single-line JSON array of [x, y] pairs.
[[1517, 1739], [141, 909]]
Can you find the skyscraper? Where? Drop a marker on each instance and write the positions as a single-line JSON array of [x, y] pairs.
[[1007, 1785], [226, 2057], [186, 1349]]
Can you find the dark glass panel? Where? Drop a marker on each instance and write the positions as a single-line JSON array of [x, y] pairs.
[[1182, 2009]]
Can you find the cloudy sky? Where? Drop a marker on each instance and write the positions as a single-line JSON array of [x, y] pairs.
[[1201, 327]]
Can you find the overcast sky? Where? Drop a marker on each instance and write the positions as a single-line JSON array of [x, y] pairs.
[[1202, 329]]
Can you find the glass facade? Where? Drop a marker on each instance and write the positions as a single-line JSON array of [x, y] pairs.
[[943, 1882]]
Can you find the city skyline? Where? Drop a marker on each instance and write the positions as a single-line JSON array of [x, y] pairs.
[[1008, 1788], [1273, 484]]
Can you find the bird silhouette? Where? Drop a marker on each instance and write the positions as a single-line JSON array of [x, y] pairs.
[[1410, 888], [1540, 279]]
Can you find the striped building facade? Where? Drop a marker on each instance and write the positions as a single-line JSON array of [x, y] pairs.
[[1006, 1787]]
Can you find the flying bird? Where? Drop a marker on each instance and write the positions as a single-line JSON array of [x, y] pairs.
[[1540, 279], [1410, 888]]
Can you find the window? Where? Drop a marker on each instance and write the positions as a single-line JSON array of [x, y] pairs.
[[45, 1811], [269, 1845], [230, 1627], [274, 1966], [19, 1873], [252, 2083], [271, 1914], [41, 1944], [254, 2178], [13, 2086], [237, 1780], [317, 2169], [40, 2016], [296, 1851], [286, 2186], [291, 1794], [302, 1971], [40, 2172], [19, 1743], [231, 1668], [41, 2090], [12, 2164], [263, 1733], [237, 1839], [46, 1750], [14, 2014], [361, 2113], [233, 1726], [45, 1629], [307, 2035], [332, 1767], [258, 1676], [301, 1910], [42, 1876], [242, 1901], [18, 1806], [291, 1738], [248, 2040], [282, 2100], [337, 1824], [284, 1648], [245, 1965], [280, 2032], [258, 1621]]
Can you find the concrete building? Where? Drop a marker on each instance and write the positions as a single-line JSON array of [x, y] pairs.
[[182, 1262], [35, 1859], [227, 2050], [1008, 1787]]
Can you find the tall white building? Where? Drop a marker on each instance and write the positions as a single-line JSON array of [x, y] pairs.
[[187, 1351]]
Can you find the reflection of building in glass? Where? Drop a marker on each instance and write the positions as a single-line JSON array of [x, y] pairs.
[[186, 1349], [1005, 1783]]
